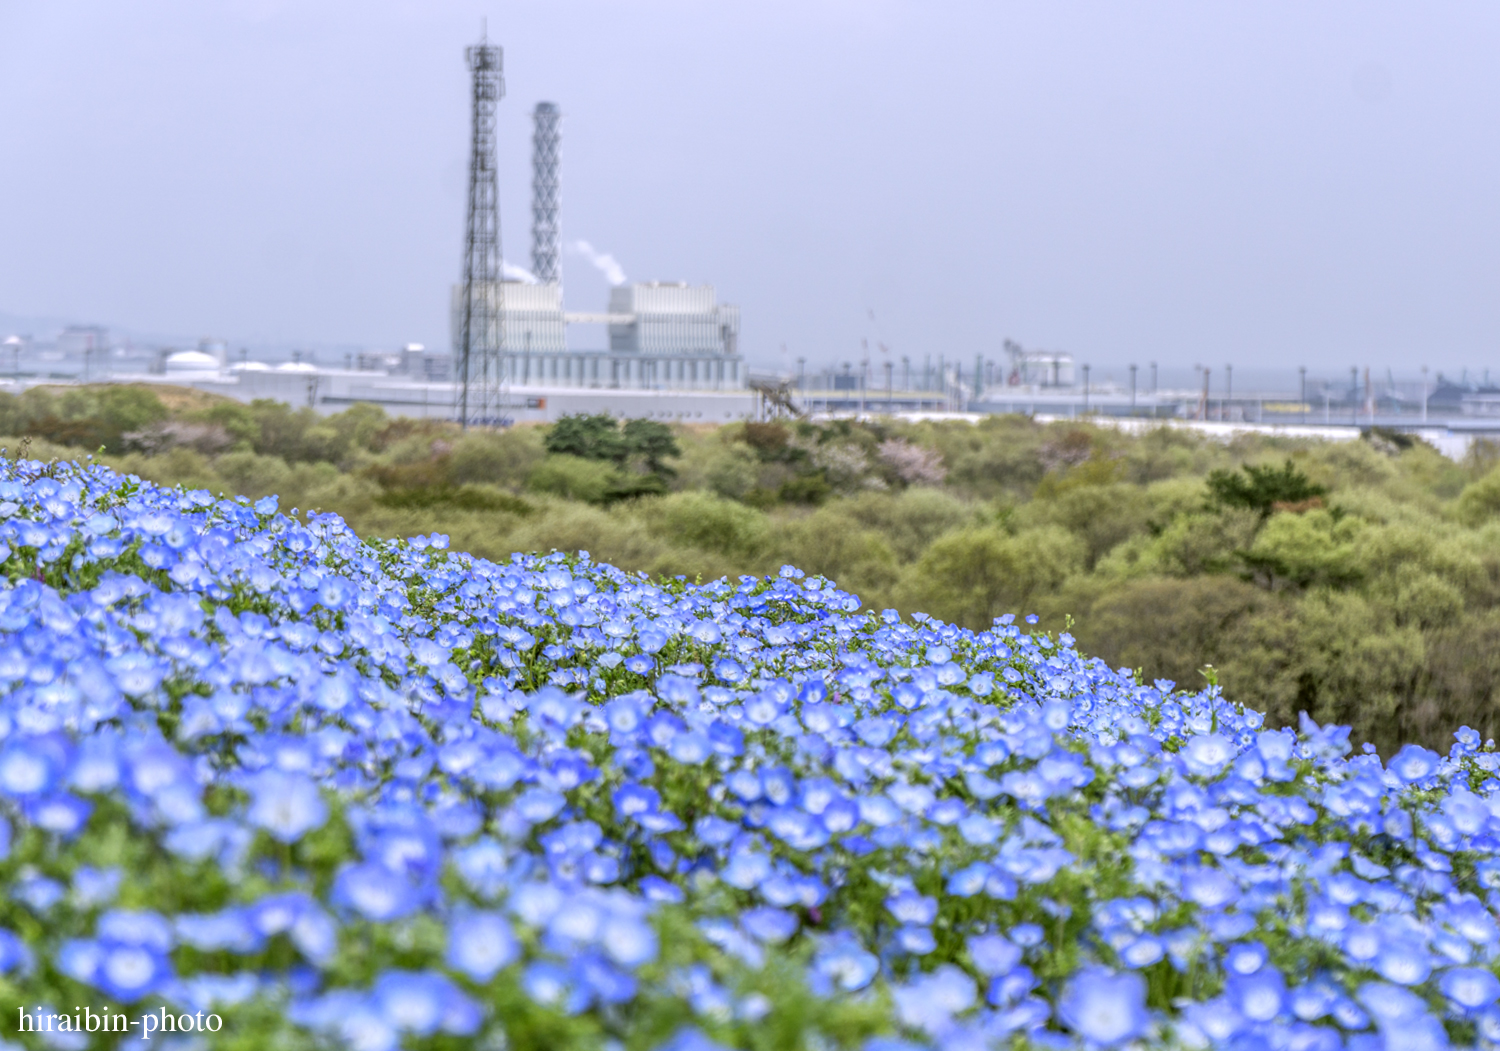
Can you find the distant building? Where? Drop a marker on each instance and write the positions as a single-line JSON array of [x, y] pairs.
[[79, 340], [421, 364], [1038, 368], [191, 363], [662, 336], [531, 318], [672, 319]]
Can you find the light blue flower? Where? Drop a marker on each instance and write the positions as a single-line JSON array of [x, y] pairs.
[[1470, 987], [930, 1001], [910, 907], [769, 925], [1105, 1008], [128, 972], [1414, 763], [288, 806], [845, 963], [628, 940], [993, 954], [374, 892]]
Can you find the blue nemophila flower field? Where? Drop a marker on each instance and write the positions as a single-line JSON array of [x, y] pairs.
[[369, 794]]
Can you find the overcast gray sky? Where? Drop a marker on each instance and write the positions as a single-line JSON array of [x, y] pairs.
[[1267, 184]]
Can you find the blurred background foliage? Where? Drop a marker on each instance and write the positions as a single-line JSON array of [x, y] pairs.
[[1358, 581]]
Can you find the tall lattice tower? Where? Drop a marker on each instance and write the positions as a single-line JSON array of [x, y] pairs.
[[546, 263], [481, 380]]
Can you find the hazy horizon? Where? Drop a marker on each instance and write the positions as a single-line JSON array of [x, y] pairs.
[[1271, 186]]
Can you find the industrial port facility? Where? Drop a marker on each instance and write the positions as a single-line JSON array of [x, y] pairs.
[[674, 353]]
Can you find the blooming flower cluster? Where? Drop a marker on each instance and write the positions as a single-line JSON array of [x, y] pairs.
[[380, 794]]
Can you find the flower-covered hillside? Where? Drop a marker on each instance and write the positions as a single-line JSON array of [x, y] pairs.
[[368, 795]]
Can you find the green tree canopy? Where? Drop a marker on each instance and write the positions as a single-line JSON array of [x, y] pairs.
[[600, 437], [652, 442], [589, 437], [1261, 488]]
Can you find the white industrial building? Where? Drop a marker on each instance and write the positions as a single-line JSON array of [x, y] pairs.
[[662, 336], [528, 318], [672, 319], [1038, 368]]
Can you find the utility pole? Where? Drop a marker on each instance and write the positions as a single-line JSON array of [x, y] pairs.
[[1085, 390], [481, 343], [1302, 376], [1424, 393], [1354, 395], [1132, 390], [1228, 392]]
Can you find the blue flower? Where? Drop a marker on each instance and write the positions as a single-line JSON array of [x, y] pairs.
[[232, 930], [550, 985], [1402, 1018], [1260, 996], [15, 955], [1414, 763], [1143, 952], [129, 972], [24, 771], [770, 925], [421, 1003], [1209, 888], [1104, 1008], [628, 940], [993, 954], [931, 1001], [845, 963], [910, 907], [374, 892], [1245, 958], [1470, 987], [919, 941], [288, 806]]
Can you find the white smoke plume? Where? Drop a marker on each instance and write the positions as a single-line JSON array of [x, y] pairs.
[[607, 264], [517, 273]]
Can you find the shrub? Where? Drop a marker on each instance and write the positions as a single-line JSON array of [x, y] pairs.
[[1193, 623], [912, 464], [1480, 500], [830, 543], [732, 473], [1102, 516], [976, 574], [1316, 547], [504, 458], [709, 523], [573, 478], [910, 520]]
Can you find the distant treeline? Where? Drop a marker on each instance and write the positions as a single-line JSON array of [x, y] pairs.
[[1358, 581]]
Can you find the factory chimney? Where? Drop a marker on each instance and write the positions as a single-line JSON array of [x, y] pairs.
[[545, 262]]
